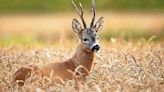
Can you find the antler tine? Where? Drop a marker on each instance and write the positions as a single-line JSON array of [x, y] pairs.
[[79, 12], [82, 13], [94, 13]]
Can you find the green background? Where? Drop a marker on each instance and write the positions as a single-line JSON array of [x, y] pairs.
[[64, 5]]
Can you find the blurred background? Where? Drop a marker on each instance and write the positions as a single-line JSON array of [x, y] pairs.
[[40, 22]]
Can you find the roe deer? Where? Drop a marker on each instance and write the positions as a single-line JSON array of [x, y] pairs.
[[83, 56]]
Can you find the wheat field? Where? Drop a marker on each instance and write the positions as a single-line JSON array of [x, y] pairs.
[[120, 66], [133, 65]]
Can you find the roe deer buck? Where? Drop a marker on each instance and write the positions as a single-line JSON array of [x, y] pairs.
[[83, 56]]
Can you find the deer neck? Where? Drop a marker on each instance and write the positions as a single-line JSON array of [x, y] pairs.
[[83, 57]]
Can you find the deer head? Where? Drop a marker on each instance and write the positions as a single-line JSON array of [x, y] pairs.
[[87, 35]]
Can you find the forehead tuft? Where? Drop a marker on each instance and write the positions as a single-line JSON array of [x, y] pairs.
[[89, 32]]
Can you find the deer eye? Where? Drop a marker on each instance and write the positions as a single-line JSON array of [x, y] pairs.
[[85, 39]]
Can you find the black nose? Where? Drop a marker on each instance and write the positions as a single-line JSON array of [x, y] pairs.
[[96, 47]]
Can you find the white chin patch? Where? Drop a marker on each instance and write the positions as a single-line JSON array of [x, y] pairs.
[[96, 50]]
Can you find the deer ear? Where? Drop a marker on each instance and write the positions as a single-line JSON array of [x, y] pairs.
[[76, 26], [99, 24]]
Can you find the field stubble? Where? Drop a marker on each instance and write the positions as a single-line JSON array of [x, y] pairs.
[[120, 67]]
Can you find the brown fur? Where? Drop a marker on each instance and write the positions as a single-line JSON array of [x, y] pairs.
[[59, 69], [80, 64]]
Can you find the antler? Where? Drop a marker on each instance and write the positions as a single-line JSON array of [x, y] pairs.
[[79, 12], [94, 13]]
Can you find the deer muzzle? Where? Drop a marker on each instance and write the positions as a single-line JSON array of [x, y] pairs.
[[96, 48]]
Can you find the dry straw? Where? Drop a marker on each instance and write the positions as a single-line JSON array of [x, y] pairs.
[[127, 67]]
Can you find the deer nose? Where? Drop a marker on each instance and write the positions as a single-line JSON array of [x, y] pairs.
[[96, 47]]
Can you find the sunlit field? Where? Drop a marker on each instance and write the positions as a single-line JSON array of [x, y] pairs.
[[128, 63], [121, 66]]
